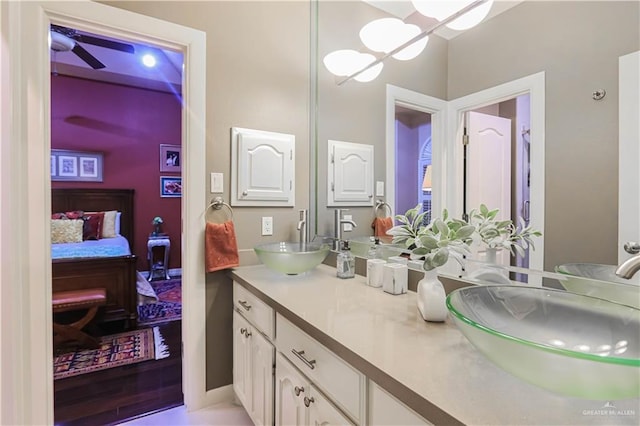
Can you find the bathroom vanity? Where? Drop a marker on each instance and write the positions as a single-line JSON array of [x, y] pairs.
[[312, 348]]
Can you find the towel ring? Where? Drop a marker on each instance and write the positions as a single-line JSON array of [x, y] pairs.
[[381, 204], [218, 203]]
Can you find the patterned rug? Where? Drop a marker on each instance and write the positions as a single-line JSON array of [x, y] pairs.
[[115, 350], [169, 304]]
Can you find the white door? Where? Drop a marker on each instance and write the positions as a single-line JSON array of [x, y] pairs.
[[241, 377], [629, 153], [261, 378], [291, 388], [489, 168]]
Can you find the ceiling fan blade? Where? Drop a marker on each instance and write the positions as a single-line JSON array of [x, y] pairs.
[[87, 57], [109, 44]]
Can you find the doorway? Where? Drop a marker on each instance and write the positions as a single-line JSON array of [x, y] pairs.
[[105, 99], [497, 166], [28, 123]]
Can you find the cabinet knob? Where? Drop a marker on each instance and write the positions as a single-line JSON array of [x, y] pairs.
[[308, 401], [298, 389], [245, 193], [243, 330]]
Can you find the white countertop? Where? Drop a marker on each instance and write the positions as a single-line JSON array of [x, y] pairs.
[[432, 367]]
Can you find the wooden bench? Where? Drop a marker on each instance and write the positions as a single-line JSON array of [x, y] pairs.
[[66, 301]]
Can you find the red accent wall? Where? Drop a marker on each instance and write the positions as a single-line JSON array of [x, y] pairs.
[[127, 125]]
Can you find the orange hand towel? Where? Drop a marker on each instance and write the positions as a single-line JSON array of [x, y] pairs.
[[220, 246], [381, 225]]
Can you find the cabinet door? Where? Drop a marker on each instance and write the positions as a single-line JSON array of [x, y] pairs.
[[261, 379], [241, 353], [350, 174], [291, 388], [264, 168], [322, 412]]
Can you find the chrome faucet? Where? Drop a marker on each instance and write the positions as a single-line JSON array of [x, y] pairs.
[[629, 267], [338, 221], [303, 227]]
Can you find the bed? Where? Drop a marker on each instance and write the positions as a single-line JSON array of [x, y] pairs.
[[109, 264]]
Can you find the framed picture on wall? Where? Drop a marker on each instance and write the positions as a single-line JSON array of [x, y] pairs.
[[170, 186], [170, 158], [76, 166]]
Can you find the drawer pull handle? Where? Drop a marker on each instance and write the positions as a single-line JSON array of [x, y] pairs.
[[298, 389], [308, 401], [244, 304], [308, 363]]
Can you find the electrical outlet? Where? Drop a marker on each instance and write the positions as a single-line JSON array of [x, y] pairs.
[[267, 225], [347, 226]]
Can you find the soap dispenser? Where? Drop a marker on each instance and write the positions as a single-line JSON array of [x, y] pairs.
[[374, 250], [346, 263]]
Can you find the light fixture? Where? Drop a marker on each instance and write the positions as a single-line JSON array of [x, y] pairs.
[[384, 35], [378, 37], [441, 10], [149, 60], [346, 62]]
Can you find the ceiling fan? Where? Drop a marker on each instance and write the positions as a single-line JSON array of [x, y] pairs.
[[65, 39]]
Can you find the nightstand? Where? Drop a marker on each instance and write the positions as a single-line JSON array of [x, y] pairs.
[[158, 255]]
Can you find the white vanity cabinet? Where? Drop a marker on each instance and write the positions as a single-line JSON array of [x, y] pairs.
[[298, 402], [385, 409], [253, 356], [342, 384]]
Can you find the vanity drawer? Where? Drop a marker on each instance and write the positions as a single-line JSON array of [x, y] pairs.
[[259, 314], [343, 384]]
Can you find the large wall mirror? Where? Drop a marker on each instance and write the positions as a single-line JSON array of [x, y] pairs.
[[576, 52]]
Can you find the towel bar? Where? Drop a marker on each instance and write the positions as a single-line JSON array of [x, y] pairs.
[[218, 203], [382, 204]]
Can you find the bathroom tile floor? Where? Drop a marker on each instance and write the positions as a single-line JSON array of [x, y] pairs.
[[227, 414]]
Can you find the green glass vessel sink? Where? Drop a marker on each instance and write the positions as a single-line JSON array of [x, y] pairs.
[[292, 258], [567, 343], [598, 280]]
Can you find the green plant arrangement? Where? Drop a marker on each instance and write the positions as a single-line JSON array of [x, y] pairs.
[[502, 234], [157, 221], [432, 243]]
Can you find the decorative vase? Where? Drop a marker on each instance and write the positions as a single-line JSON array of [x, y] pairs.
[[431, 297], [489, 272], [156, 230]]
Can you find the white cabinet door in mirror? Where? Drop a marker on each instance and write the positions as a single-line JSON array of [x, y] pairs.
[[350, 177], [262, 168]]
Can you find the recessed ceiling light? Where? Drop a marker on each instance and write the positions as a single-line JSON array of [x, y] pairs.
[[149, 60]]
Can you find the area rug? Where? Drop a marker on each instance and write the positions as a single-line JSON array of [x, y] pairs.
[[114, 351], [169, 304]]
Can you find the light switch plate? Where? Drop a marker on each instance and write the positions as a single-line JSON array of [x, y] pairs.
[[217, 183], [379, 188], [267, 225], [347, 226]]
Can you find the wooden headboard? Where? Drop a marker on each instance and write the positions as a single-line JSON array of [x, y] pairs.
[[90, 199]]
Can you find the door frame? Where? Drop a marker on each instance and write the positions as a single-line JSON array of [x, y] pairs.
[[628, 152], [534, 85], [25, 186], [396, 95]]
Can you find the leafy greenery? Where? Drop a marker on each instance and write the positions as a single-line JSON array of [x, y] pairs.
[[156, 220], [445, 236], [433, 243], [499, 234]]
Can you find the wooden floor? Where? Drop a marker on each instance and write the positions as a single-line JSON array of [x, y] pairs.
[[117, 394]]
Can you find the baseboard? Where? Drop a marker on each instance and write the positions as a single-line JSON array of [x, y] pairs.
[[216, 396], [173, 272]]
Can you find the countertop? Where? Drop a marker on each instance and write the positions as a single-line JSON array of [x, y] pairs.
[[431, 367]]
